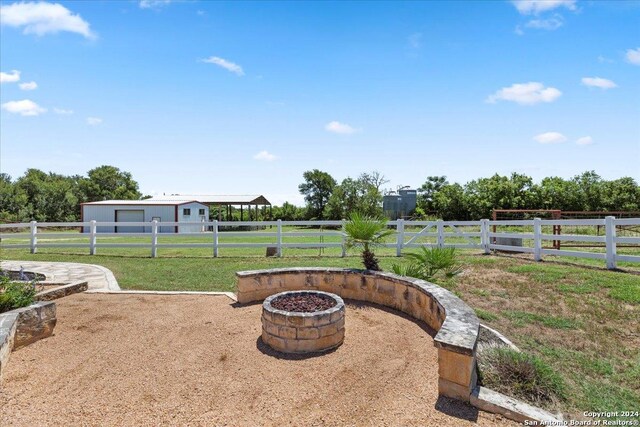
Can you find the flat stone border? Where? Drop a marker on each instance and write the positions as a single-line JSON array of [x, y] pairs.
[[456, 323], [298, 332], [23, 326], [97, 276], [514, 409], [61, 291]]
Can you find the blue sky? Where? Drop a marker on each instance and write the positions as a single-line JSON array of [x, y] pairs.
[[242, 98]]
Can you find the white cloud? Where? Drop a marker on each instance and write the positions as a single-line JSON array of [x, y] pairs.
[[550, 138], [598, 82], [527, 7], [42, 18], [153, 4], [526, 94], [94, 121], [633, 56], [62, 111], [11, 77], [28, 86], [548, 24], [264, 155], [585, 140], [26, 107], [341, 128], [227, 65]]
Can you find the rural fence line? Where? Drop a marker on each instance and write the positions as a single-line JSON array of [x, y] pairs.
[[486, 239]]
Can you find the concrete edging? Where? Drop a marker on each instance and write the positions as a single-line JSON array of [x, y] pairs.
[[455, 322]]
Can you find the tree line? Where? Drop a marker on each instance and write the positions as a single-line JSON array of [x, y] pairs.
[[52, 197], [437, 197]]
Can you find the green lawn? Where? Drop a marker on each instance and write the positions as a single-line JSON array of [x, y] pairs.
[[581, 319]]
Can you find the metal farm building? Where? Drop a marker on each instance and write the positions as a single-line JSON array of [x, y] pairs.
[[145, 211]]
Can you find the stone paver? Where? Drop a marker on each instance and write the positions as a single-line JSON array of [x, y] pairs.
[[99, 278]]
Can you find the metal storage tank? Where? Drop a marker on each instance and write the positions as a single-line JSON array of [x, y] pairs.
[[399, 205]]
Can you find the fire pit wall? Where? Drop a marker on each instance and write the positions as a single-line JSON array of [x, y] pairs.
[[456, 323]]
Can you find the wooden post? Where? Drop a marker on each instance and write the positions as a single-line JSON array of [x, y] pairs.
[[537, 239], [34, 238], [440, 226], [92, 237], [610, 239], [154, 238], [399, 236], [215, 238], [344, 240], [484, 236], [279, 239]]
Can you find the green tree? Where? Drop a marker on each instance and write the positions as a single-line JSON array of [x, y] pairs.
[[557, 193], [428, 190], [621, 195], [450, 203], [109, 183], [317, 190], [360, 195], [500, 192]]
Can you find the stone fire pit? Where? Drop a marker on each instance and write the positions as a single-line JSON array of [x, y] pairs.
[[300, 329]]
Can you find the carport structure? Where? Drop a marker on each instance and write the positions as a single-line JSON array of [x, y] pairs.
[[225, 204]]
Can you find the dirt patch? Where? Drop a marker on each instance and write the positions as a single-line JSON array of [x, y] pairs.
[[186, 360]]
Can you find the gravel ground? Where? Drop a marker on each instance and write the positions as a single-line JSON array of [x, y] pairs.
[[119, 360]]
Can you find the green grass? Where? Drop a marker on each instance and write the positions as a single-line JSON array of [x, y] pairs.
[[521, 318], [578, 318], [485, 315]]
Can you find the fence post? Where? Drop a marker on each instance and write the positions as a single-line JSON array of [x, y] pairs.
[[399, 237], [610, 239], [34, 238], [92, 237], [440, 227], [215, 238], [537, 239], [154, 238], [344, 239], [484, 235], [279, 239]]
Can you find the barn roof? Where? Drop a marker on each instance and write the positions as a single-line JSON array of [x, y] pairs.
[[210, 199], [145, 202]]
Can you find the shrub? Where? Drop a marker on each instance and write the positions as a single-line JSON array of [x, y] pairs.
[[15, 294], [429, 263], [365, 232], [520, 375]]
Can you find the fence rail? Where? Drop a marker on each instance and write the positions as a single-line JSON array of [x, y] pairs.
[[443, 232]]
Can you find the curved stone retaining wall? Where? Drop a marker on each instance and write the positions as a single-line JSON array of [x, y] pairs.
[[455, 322]]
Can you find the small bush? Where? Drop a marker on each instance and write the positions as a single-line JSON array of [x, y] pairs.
[[15, 294], [429, 263], [520, 375]]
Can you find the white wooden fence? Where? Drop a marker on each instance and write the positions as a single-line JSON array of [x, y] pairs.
[[442, 232]]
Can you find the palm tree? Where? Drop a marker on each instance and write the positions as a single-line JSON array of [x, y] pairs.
[[366, 232]]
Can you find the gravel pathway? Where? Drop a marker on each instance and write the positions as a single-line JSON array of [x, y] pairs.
[[123, 359]]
